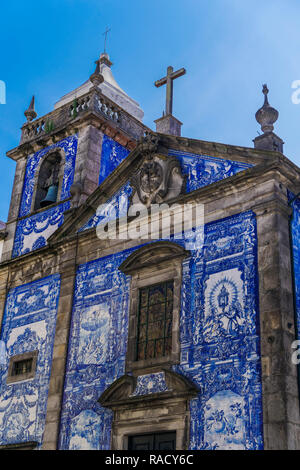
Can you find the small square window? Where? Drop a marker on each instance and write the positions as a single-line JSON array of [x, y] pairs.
[[22, 367]]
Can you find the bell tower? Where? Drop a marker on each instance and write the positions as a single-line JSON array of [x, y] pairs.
[[64, 155]]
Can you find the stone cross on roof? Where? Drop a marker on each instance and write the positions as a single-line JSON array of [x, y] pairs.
[[169, 81]]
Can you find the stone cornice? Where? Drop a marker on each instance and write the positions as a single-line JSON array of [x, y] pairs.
[[217, 149], [30, 445], [273, 205]]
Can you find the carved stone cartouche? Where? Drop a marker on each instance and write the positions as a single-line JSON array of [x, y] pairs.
[[158, 180]]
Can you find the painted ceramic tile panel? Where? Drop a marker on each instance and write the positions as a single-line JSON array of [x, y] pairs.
[[69, 145], [115, 207], [296, 250], [112, 155], [32, 233], [219, 335], [28, 325], [202, 170], [96, 352], [220, 347], [150, 383]]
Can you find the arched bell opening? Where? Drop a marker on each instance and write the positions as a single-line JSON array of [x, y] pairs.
[[49, 181]]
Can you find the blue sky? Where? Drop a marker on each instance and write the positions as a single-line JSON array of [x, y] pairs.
[[229, 48]]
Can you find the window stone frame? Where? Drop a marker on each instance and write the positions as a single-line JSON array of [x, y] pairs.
[[153, 264], [155, 412], [22, 357]]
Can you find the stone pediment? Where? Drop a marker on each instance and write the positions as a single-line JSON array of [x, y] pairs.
[[152, 254], [162, 385]]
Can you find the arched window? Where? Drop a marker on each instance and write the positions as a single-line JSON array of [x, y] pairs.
[[49, 180]]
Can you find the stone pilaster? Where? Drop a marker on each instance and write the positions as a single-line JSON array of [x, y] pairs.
[[88, 158], [56, 386], [4, 286], [17, 189], [14, 208], [277, 325]]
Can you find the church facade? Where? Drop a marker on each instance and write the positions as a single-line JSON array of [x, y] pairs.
[[182, 340]]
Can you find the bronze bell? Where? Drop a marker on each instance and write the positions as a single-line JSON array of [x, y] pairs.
[[51, 196]]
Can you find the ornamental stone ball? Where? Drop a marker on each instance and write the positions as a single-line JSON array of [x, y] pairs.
[[266, 116]]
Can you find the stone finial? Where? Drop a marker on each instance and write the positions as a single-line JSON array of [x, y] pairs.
[[148, 144], [266, 116], [30, 113], [96, 78], [104, 59]]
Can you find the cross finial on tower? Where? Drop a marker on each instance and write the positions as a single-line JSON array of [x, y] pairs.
[[105, 40], [168, 79]]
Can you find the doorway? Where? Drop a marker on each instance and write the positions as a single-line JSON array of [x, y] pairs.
[[154, 441]]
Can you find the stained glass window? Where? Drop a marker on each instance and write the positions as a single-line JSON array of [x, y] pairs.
[[154, 333]]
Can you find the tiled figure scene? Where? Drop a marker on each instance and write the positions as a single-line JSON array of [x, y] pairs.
[[219, 337], [28, 325]]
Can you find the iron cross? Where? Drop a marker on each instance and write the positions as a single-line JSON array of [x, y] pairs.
[[105, 40], [169, 81]]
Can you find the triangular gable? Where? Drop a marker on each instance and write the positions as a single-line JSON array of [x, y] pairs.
[[201, 170]]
